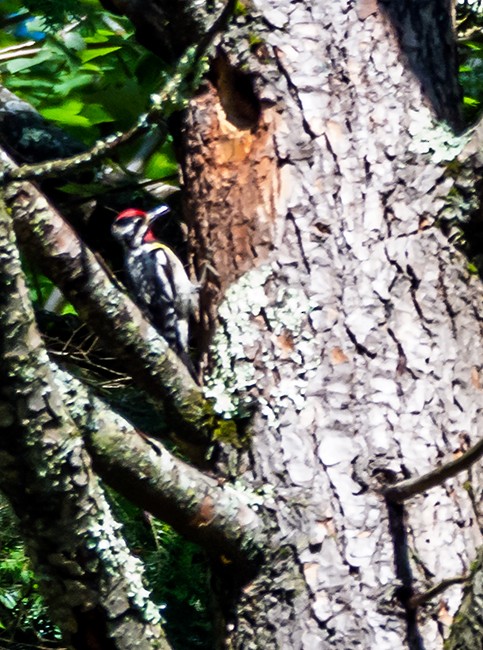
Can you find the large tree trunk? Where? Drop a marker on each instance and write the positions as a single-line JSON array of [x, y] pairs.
[[315, 173]]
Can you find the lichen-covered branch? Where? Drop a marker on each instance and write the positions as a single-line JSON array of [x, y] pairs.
[[110, 313], [214, 515], [91, 582]]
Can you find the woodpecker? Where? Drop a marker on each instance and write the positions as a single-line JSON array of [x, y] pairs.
[[156, 278]]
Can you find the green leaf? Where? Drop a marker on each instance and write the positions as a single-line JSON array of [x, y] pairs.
[[88, 55], [470, 101], [74, 41], [472, 268], [91, 67], [63, 117], [26, 575], [474, 45], [162, 163], [8, 600], [67, 113], [68, 309], [96, 114], [102, 36], [24, 63], [80, 189], [9, 6], [77, 81], [29, 83]]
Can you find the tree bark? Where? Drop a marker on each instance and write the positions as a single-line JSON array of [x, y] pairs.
[[93, 585], [315, 177]]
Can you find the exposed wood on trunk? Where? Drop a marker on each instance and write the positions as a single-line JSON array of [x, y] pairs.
[[234, 180]]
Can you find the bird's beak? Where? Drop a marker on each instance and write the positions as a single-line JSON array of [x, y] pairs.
[[158, 212]]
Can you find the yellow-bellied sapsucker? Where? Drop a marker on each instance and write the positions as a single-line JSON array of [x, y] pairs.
[[156, 278]]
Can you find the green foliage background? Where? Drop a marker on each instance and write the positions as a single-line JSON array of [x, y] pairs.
[[22, 613], [469, 23], [89, 75]]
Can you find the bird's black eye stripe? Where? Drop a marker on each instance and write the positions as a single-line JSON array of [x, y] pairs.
[[138, 224]]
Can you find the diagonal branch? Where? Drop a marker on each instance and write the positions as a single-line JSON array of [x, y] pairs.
[[100, 149], [409, 488], [92, 584], [112, 315], [421, 598], [214, 515]]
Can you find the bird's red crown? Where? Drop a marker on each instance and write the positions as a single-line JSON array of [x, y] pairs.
[[130, 213]]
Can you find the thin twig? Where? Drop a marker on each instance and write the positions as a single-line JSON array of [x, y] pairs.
[[71, 163], [419, 599], [30, 48], [406, 489]]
